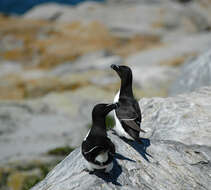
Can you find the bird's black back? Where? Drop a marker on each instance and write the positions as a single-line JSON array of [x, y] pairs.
[[129, 108], [102, 144]]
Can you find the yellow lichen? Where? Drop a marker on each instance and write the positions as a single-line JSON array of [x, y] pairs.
[[177, 61], [15, 180]]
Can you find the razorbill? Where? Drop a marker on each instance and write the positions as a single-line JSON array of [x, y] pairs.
[[128, 115], [97, 148]]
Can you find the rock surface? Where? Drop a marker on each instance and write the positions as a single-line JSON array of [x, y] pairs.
[[155, 69], [157, 17], [176, 155], [194, 74], [46, 123]]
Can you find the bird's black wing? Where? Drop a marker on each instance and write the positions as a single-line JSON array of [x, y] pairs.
[[91, 149], [138, 111], [130, 114], [111, 147]]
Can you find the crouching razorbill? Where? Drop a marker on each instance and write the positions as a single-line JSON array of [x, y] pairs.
[[128, 115], [97, 148]]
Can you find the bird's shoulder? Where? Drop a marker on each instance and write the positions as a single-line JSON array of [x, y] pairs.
[[96, 140], [128, 106], [94, 145]]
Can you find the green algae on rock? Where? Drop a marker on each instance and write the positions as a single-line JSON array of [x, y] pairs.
[[61, 151]]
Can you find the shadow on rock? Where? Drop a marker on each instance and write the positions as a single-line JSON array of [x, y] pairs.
[[140, 147], [115, 172], [112, 176], [121, 157]]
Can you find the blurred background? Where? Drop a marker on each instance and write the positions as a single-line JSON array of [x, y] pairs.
[[55, 59]]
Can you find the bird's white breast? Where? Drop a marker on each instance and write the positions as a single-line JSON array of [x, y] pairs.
[[103, 157], [116, 98]]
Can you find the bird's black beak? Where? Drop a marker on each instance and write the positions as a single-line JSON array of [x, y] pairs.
[[115, 67], [111, 107]]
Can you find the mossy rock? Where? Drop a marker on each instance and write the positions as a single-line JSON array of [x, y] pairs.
[[110, 123], [3, 178], [61, 151], [23, 176], [30, 181], [15, 180]]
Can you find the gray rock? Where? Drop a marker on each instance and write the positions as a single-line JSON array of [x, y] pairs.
[[8, 67], [39, 12], [185, 118], [194, 74], [28, 129], [175, 48], [154, 69], [126, 18], [100, 60], [176, 156]]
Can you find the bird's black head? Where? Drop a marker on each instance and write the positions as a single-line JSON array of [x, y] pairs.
[[101, 110], [123, 71], [126, 76]]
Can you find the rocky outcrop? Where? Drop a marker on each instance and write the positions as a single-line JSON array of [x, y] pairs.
[[155, 69], [176, 154], [194, 74]]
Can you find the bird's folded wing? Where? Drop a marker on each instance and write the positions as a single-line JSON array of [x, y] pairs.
[[132, 124], [93, 150]]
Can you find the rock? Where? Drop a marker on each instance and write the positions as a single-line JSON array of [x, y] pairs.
[[194, 74], [190, 45], [34, 127], [66, 77], [46, 44], [185, 118], [177, 154], [158, 17], [46, 123], [24, 174], [7, 67], [155, 69], [39, 11], [11, 87], [100, 60], [116, 16]]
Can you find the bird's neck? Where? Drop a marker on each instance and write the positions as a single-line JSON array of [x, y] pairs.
[[126, 87], [98, 126]]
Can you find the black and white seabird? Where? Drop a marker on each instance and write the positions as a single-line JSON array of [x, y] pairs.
[[97, 148], [128, 115]]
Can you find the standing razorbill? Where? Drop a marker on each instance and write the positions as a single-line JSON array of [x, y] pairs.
[[128, 115], [97, 148]]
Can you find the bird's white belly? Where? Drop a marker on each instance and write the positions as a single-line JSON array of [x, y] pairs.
[[119, 129], [100, 158], [91, 167], [103, 157]]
